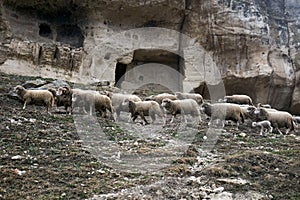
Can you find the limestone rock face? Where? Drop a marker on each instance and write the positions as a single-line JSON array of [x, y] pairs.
[[250, 46]]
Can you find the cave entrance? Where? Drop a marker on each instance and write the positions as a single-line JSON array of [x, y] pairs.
[[155, 66]]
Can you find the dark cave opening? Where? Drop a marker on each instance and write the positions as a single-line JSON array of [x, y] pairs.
[[70, 34], [45, 30]]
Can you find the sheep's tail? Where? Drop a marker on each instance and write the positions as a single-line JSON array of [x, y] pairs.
[[242, 117]]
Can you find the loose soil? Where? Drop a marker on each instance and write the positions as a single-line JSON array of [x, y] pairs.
[[48, 156]]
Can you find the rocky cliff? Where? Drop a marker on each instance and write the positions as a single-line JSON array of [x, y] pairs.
[[254, 44]]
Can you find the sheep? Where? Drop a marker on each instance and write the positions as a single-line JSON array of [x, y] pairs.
[[144, 108], [224, 111], [159, 97], [259, 105], [184, 106], [265, 124], [93, 98], [117, 100], [278, 119], [197, 97], [66, 94], [35, 96], [62, 100], [238, 99]]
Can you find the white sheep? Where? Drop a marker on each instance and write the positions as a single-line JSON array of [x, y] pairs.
[[238, 99], [35, 96], [197, 97], [159, 97], [144, 108], [183, 107], [265, 124], [259, 105], [93, 99], [224, 111], [278, 119], [117, 102]]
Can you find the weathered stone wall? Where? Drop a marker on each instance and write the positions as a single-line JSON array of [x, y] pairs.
[[253, 43]]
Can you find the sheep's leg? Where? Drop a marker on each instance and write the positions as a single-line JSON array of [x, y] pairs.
[[237, 125], [287, 131], [172, 119], [25, 103], [143, 117], [91, 109], [279, 131], [134, 117], [261, 130], [271, 129]]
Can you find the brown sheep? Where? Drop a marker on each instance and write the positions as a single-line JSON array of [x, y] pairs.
[[144, 108], [238, 99], [224, 111], [35, 96], [62, 100], [278, 119], [197, 97], [185, 106]]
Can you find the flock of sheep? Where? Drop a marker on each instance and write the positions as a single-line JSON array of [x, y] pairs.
[[236, 108]]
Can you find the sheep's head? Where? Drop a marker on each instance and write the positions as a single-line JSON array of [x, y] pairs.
[[63, 91], [125, 102], [76, 97], [206, 108], [19, 89], [109, 94], [166, 103], [251, 109]]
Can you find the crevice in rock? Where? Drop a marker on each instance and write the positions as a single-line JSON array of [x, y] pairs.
[[180, 69]]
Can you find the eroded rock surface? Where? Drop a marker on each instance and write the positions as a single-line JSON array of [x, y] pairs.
[[253, 45]]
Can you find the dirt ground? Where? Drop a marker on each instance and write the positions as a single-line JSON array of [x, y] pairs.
[[55, 156]]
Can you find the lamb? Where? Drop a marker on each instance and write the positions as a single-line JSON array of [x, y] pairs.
[[265, 124], [197, 97], [159, 97], [117, 102], [278, 119], [144, 108], [224, 111], [35, 96], [185, 106], [238, 99], [93, 98]]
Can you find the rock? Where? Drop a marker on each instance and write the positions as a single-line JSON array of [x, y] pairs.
[[251, 48], [34, 83], [237, 181], [55, 84], [221, 196]]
